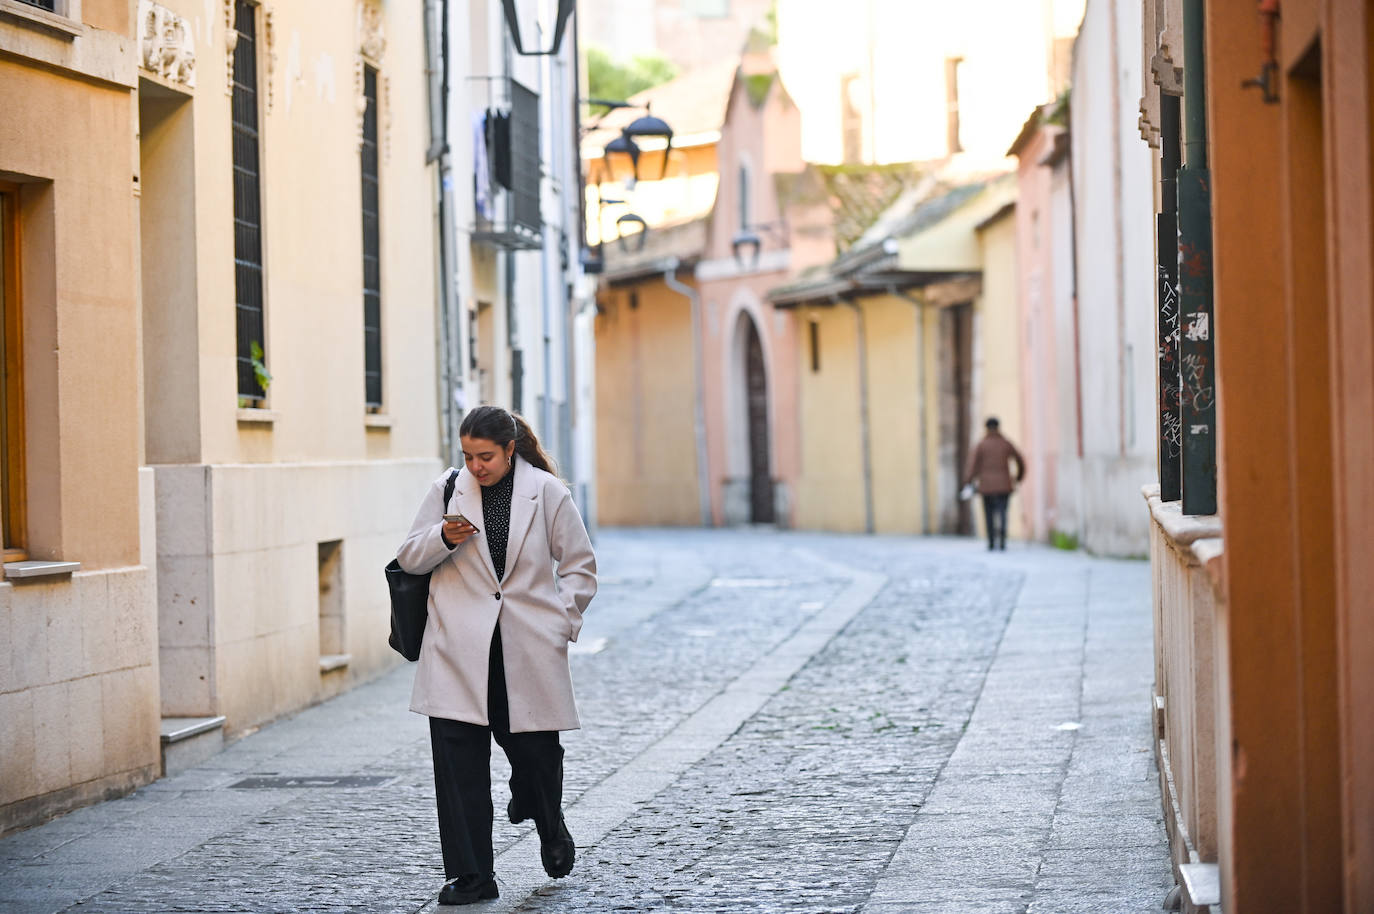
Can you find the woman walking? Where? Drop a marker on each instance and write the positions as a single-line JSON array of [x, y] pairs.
[[512, 572]]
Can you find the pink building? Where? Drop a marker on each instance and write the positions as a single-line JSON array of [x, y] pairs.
[[696, 297], [1050, 496]]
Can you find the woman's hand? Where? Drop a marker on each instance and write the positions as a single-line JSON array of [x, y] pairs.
[[455, 534]]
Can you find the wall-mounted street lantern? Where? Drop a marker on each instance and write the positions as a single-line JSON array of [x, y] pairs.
[[747, 243], [618, 149], [565, 10], [640, 237], [647, 126], [650, 126]]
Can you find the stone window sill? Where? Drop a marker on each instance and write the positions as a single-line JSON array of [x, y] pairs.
[[18, 571], [253, 416], [1196, 538], [1182, 529], [27, 14], [377, 420]]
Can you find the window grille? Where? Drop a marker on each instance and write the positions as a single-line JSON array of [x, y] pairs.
[[49, 5], [372, 270], [247, 202]]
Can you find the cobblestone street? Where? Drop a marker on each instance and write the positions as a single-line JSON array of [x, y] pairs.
[[771, 722]]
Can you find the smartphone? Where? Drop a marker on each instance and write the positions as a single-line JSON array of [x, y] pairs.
[[459, 519]]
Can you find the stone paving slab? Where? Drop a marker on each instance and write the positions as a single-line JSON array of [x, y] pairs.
[[772, 722]]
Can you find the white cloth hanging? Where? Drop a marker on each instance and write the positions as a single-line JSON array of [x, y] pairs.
[[481, 169]]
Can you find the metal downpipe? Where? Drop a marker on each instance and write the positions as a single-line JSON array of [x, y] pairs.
[[922, 417], [699, 405], [861, 343]]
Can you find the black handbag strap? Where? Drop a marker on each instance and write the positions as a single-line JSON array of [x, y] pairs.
[[448, 488]]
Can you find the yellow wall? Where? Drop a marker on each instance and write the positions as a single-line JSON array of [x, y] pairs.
[[645, 419], [77, 267], [893, 400], [999, 335], [312, 238], [830, 487], [830, 495], [930, 385], [244, 501]]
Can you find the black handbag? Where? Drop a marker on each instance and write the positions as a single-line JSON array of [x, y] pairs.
[[410, 599]]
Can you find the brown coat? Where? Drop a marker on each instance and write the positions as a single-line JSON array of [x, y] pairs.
[[988, 465], [550, 579]]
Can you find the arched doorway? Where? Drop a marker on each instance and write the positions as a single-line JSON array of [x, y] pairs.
[[756, 419]]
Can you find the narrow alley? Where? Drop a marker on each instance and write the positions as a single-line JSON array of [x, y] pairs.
[[771, 722]]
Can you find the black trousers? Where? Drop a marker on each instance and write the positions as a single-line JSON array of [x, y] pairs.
[[462, 777], [995, 517]]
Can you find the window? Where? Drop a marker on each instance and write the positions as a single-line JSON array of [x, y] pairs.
[[12, 485], [851, 118], [815, 346], [952, 104], [252, 343], [49, 5], [744, 197], [372, 269], [707, 9]]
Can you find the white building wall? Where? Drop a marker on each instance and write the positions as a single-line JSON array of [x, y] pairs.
[[1114, 213], [898, 50], [1066, 511], [527, 289]]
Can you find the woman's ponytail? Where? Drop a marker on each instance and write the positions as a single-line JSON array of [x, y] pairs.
[[527, 446]]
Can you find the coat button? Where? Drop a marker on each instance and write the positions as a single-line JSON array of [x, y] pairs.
[[496, 595]]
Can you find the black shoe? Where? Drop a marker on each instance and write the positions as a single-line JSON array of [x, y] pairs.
[[558, 855], [469, 888], [515, 813]]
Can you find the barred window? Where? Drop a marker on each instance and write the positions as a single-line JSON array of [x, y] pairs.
[[252, 344], [372, 270]]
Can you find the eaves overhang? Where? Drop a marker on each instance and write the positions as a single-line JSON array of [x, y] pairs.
[[833, 290]]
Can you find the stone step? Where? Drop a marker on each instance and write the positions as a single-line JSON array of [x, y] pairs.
[[188, 741]]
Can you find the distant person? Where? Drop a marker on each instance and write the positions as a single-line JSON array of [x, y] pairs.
[[988, 467], [512, 571]]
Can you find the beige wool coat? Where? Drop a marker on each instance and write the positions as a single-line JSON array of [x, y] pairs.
[[550, 579]]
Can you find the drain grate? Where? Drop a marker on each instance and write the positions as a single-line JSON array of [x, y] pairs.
[[348, 781]]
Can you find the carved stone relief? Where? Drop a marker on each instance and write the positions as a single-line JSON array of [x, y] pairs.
[[371, 51], [386, 122], [371, 37], [231, 40], [166, 44], [267, 53]]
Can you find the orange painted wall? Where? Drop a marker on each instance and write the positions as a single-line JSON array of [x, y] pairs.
[[80, 310], [1295, 321]]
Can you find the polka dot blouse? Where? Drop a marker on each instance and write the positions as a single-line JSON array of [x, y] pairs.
[[496, 501]]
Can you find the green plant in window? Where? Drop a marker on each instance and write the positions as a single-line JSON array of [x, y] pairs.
[[260, 372]]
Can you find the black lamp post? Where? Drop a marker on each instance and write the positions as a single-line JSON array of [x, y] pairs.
[[565, 10]]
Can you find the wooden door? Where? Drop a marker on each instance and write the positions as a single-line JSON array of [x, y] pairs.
[[760, 480]]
